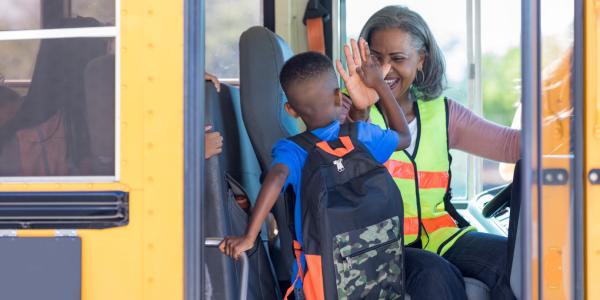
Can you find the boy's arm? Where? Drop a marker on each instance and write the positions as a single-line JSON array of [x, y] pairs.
[[396, 117], [371, 75], [269, 192], [356, 114]]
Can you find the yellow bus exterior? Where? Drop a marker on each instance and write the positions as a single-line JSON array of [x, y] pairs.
[[144, 259]]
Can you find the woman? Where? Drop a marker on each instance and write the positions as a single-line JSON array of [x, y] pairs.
[[402, 42]]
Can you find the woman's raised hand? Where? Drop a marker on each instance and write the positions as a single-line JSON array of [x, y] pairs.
[[362, 93], [371, 72]]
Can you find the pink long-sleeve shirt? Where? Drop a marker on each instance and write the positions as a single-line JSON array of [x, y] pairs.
[[473, 134]]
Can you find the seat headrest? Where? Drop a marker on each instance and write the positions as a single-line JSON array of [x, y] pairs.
[[262, 55]]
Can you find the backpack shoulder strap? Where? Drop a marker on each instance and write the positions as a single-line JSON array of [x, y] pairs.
[[349, 129], [305, 140]]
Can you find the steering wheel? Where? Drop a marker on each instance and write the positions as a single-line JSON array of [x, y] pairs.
[[500, 201]]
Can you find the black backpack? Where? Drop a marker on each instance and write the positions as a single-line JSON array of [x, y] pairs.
[[352, 222]]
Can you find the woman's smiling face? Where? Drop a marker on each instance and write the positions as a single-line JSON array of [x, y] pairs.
[[396, 47]]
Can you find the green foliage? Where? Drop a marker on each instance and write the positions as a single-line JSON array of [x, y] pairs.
[[501, 85]]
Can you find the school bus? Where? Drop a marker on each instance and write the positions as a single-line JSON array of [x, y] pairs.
[[105, 192]]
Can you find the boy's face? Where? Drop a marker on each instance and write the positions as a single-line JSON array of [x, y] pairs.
[[316, 100]]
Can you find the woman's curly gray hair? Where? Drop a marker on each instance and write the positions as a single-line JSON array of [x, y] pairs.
[[433, 82]]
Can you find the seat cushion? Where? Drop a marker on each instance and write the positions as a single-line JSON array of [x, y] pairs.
[[476, 290]]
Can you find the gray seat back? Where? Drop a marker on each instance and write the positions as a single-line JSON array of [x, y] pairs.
[[476, 290], [262, 55]]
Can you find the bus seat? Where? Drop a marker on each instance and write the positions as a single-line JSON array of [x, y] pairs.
[[476, 290], [223, 215], [220, 268], [241, 162], [262, 55], [99, 81]]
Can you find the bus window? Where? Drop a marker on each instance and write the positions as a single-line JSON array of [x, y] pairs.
[[46, 14], [500, 75], [101, 10], [225, 22], [64, 125]]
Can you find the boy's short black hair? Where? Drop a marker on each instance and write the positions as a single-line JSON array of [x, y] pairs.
[[306, 65]]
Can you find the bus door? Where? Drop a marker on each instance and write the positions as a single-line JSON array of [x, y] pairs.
[[549, 240]]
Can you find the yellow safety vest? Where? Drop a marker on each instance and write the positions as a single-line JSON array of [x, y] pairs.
[[424, 179]]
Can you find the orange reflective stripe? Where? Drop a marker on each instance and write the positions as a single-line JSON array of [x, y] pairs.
[[411, 226], [434, 224], [315, 35], [427, 179], [339, 152], [432, 180], [400, 169]]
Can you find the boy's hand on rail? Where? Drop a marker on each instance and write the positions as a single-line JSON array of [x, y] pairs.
[[214, 79], [233, 246]]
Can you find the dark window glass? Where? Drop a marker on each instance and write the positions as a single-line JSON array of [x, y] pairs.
[[57, 107], [48, 14]]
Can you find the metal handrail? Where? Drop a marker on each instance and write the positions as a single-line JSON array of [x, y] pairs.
[[213, 243]]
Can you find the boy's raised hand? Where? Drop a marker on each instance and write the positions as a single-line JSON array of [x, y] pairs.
[[362, 95]]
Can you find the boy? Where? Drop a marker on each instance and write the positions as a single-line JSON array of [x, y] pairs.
[[310, 84]]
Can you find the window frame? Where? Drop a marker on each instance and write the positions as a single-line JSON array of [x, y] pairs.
[[475, 92], [81, 32]]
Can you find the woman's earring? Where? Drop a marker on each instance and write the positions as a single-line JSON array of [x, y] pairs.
[[422, 76]]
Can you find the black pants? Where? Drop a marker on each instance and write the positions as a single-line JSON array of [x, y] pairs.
[[477, 255]]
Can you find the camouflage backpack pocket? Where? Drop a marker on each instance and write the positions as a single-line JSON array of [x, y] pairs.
[[369, 263]]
